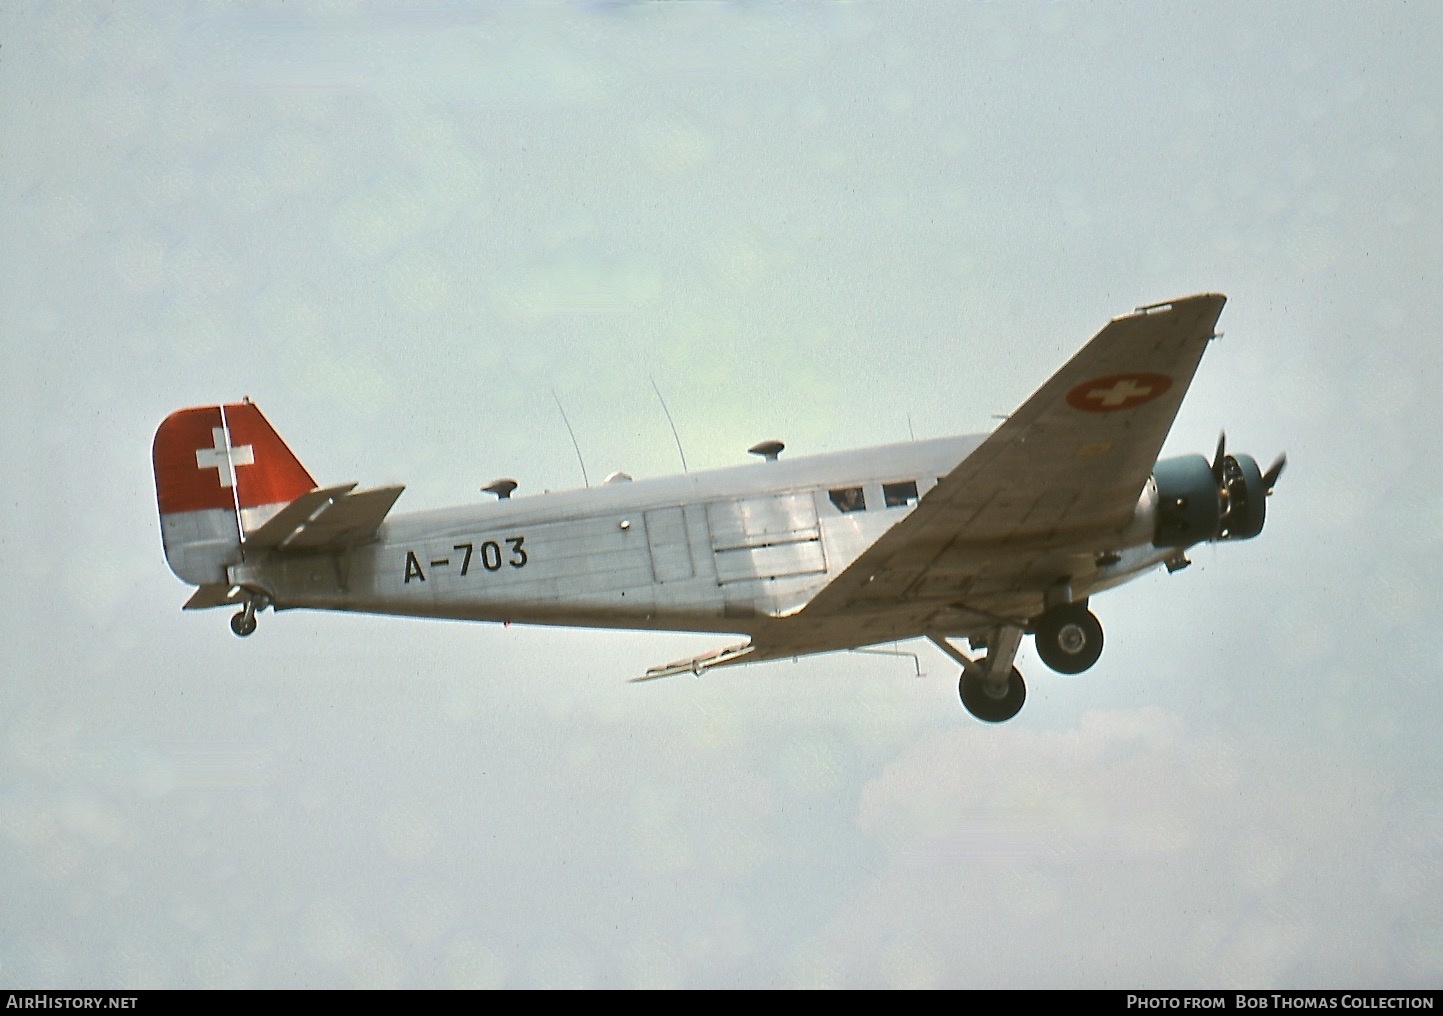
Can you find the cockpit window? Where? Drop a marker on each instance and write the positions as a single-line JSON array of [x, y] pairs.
[[897, 495], [848, 499]]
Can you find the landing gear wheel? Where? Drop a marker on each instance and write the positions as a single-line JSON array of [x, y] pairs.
[[1069, 639], [984, 701], [243, 622]]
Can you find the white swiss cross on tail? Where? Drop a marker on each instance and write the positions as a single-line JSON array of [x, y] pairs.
[[216, 457], [192, 442], [1117, 391]]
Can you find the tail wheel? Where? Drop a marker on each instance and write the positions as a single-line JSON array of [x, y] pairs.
[[243, 622], [1069, 639], [993, 703]]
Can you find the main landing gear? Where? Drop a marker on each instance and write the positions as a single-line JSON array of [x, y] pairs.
[[1068, 638], [992, 690]]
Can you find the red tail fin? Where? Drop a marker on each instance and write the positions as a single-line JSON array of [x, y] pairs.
[[215, 465]]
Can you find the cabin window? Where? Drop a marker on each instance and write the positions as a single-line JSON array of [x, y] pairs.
[[848, 499], [901, 494]]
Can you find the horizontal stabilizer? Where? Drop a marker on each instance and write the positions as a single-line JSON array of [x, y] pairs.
[[328, 518], [295, 515], [695, 665], [212, 594]]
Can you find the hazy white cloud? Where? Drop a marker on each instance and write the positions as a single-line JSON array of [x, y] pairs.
[[1127, 851]]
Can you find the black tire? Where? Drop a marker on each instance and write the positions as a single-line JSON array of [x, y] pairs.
[[987, 708], [1069, 639]]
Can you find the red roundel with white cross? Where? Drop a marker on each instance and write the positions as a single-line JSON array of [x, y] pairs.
[[1117, 391]]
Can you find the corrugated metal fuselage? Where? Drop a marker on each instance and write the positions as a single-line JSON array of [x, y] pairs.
[[707, 551], [727, 550]]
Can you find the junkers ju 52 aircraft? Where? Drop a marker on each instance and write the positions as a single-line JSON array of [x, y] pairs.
[[986, 538]]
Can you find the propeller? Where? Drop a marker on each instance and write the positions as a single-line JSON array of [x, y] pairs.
[[1239, 483], [1270, 478]]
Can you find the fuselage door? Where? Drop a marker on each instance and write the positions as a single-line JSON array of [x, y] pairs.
[[766, 537]]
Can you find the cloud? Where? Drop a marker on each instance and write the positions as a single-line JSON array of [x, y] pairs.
[[1129, 851]]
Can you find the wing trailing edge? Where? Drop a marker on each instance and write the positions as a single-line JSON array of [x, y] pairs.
[[696, 664]]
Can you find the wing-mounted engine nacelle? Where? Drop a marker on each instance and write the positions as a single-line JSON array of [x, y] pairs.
[[1198, 501]]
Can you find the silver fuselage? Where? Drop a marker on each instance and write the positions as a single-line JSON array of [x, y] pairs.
[[727, 550]]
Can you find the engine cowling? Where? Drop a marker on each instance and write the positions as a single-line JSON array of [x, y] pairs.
[[1198, 501]]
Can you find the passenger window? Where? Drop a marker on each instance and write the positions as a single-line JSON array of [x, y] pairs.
[[897, 495], [848, 499]]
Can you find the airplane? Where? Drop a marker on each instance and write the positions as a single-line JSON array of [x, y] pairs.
[[986, 538]]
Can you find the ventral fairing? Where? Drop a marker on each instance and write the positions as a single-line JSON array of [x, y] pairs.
[[985, 538]]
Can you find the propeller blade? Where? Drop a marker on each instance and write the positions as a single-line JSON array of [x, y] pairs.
[[1220, 455], [1270, 478]]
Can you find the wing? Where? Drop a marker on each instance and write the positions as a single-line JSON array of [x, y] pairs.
[[1040, 497]]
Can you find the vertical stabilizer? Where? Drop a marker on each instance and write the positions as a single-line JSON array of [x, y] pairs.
[[268, 476], [218, 469]]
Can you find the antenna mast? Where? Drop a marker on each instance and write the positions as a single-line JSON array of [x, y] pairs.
[[584, 478], [675, 436]]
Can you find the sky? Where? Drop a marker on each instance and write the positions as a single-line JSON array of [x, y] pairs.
[[400, 229]]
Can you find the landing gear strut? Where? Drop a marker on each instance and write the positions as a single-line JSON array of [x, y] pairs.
[[1068, 638], [992, 690]]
